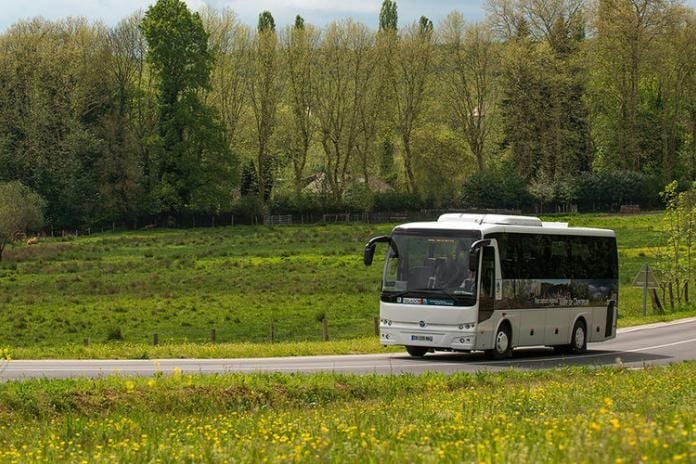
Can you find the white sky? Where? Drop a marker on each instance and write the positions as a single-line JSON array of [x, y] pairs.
[[317, 12]]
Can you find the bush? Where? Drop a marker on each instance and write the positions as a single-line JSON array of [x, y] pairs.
[[500, 188], [609, 190], [114, 334], [398, 201]]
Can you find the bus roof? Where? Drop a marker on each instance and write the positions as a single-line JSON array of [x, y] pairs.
[[491, 223]]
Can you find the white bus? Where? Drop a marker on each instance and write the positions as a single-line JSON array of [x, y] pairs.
[[472, 282]]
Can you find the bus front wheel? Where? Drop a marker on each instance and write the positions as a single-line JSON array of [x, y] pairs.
[[502, 345], [417, 351], [578, 343]]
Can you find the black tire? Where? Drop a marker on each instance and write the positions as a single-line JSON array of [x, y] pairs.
[[578, 340], [502, 344], [417, 351]]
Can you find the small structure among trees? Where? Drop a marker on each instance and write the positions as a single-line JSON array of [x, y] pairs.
[[21, 209]]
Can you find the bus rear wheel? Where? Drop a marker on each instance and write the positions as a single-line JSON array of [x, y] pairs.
[[578, 343], [502, 345], [417, 351]]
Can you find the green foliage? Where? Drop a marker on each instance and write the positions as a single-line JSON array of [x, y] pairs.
[[195, 168], [21, 209], [388, 16], [609, 190], [425, 25], [146, 119], [503, 187], [676, 260], [267, 23]]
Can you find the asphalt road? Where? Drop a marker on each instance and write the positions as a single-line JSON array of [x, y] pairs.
[[653, 344]]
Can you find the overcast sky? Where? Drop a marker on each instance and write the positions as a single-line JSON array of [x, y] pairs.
[[318, 12]]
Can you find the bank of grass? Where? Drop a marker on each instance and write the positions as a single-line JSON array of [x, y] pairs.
[[251, 284], [567, 415], [366, 345]]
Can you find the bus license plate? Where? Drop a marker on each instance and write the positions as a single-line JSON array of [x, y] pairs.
[[421, 338]]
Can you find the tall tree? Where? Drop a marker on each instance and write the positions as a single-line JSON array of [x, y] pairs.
[[120, 167], [264, 92], [545, 118], [53, 97], [471, 62], [345, 73], [300, 44], [388, 16], [195, 165], [410, 86], [230, 43], [625, 35]]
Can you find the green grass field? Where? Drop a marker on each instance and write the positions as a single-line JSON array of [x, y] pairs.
[[608, 415], [118, 289]]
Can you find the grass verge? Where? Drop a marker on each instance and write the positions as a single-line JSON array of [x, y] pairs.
[[565, 415], [366, 345]]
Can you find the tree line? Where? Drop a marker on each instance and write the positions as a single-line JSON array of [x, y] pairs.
[[173, 112]]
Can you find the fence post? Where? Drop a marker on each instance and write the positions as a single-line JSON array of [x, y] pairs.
[[325, 329], [213, 335], [376, 326], [272, 332], [155, 339], [85, 342]]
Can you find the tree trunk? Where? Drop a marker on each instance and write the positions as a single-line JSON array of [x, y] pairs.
[[686, 292], [409, 169], [671, 296], [657, 305]]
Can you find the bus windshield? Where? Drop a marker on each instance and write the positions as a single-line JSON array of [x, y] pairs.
[[430, 262]]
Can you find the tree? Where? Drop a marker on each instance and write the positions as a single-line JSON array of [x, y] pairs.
[[120, 166], [54, 96], [21, 210], [471, 63], [345, 74], [195, 167], [264, 93], [299, 45], [626, 34], [543, 86], [388, 16], [230, 43], [680, 230], [410, 81]]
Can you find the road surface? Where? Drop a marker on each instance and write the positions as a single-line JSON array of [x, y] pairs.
[[652, 344]]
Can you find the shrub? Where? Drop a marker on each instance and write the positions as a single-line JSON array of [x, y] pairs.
[[114, 334], [501, 187]]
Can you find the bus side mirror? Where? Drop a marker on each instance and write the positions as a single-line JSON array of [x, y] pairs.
[[474, 260], [369, 254]]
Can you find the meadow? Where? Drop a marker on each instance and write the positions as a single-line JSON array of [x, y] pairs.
[[578, 415], [254, 285]]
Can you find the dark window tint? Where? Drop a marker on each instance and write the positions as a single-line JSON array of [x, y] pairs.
[[528, 256]]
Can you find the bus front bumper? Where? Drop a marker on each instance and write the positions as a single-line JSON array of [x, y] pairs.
[[451, 338]]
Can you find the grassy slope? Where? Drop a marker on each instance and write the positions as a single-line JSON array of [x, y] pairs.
[[182, 283], [568, 415]]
